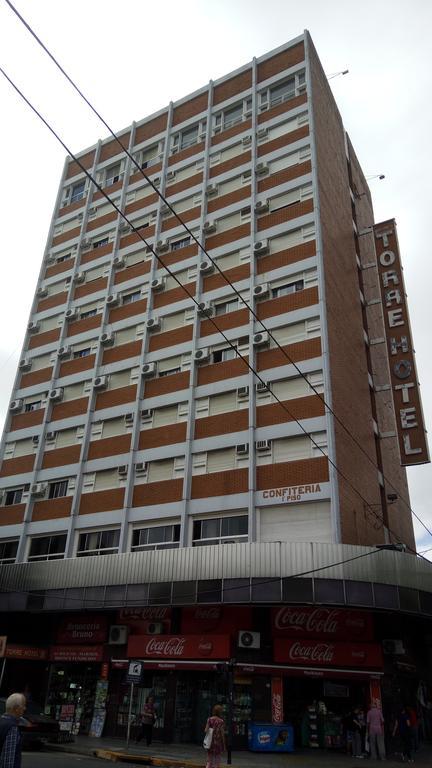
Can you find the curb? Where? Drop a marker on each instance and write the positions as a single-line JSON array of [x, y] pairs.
[[127, 757]]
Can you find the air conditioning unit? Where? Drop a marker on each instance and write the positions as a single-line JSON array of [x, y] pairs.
[[85, 243], [156, 181], [164, 208], [158, 284], [35, 439], [242, 449], [50, 437], [154, 628], [124, 226], [263, 445], [201, 355], [129, 418], [38, 489], [260, 247], [264, 106], [25, 364], [56, 394], [247, 175], [247, 141], [33, 326], [212, 189], [162, 245], [64, 351], [262, 133], [118, 634], [141, 467], [206, 266], [260, 290], [261, 387], [205, 308], [148, 370], [248, 639], [100, 382], [261, 168], [242, 393], [42, 292], [71, 314], [170, 176], [153, 324], [146, 414], [50, 259], [107, 338], [209, 226], [261, 339], [393, 647], [122, 470], [118, 262], [79, 277], [112, 300], [262, 206], [16, 405]]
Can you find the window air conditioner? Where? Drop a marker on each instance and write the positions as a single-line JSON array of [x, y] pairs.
[[118, 634], [263, 445], [156, 181], [122, 470], [141, 467], [71, 314], [42, 292], [33, 326], [261, 339], [262, 133], [64, 351], [25, 364], [50, 259], [118, 262], [162, 245], [262, 206], [112, 300], [262, 387], [201, 355], [242, 392], [242, 449], [249, 639], [56, 394], [107, 338], [247, 141], [206, 267], [158, 284], [16, 405], [50, 437], [260, 247], [153, 324], [35, 439], [129, 418], [209, 226], [261, 168], [261, 290], [148, 370], [100, 382], [38, 489], [85, 243], [147, 414], [79, 277], [170, 176], [124, 226], [393, 647], [154, 628], [212, 189], [205, 308]]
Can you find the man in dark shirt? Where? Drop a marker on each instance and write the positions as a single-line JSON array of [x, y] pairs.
[[10, 737]]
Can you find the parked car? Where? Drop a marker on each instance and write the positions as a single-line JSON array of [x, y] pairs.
[[35, 726]]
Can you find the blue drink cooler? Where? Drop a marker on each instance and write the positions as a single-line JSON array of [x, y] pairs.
[[265, 737]]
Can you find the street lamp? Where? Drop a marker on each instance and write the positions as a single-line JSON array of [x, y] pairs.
[[399, 547], [336, 74]]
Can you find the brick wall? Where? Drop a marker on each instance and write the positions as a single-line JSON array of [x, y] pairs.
[[17, 466], [59, 457], [219, 483], [35, 377], [221, 424], [307, 407], [40, 339], [85, 160], [292, 473], [167, 435], [109, 446], [70, 408], [51, 509], [77, 365], [231, 87], [123, 352], [115, 397], [101, 501], [289, 303], [162, 492]]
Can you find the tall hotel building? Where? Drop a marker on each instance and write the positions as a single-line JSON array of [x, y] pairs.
[[136, 432]]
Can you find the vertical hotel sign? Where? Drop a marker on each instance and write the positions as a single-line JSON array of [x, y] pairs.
[[406, 396]]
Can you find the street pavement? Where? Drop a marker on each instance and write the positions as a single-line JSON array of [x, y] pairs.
[[194, 754]]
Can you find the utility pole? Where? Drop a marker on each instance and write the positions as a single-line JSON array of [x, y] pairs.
[[230, 681]]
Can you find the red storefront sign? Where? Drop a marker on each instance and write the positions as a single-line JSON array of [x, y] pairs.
[[332, 623], [328, 654], [83, 628], [88, 653], [179, 647], [130, 615], [26, 652], [214, 618], [277, 700]]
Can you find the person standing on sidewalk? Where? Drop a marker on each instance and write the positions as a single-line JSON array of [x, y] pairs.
[[148, 719], [404, 726], [375, 730], [10, 737], [217, 745]]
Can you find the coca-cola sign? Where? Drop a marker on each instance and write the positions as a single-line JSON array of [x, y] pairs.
[[215, 619], [309, 652], [179, 647], [151, 613], [329, 623], [277, 700]]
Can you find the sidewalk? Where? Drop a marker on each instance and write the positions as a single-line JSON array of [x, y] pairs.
[[194, 755]]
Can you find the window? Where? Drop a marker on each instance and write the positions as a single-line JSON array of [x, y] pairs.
[[82, 352], [112, 175], [226, 306], [188, 137], [100, 243], [170, 371], [77, 191], [98, 543], [180, 243], [66, 256], [283, 91], [233, 115], [220, 530], [287, 288], [58, 489], [129, 298], [157, 537], [33, 406], [222, 355], [148, 156], [13, 497], [87, 313], [47, 548], [8, 551]]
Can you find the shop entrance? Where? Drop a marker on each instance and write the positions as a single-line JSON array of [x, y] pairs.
[[71, 695]]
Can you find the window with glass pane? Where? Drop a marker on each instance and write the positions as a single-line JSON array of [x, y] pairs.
[[47, 547], [98, 543], [34, 406], [221, 355], [169, 371], [219, 530], [235, 526], [129, 298], [227, 306], [180, 243], [100, 243], [156, 537], [88, 313], [233, 115], [8, 551], [77, 191], [282, 91], [13, 497], [284, 290], [189, 137], [82, 352], [113, 174], [57, 490]]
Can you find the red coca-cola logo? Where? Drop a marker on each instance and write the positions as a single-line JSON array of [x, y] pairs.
[[204, 614], [277, 708], [320, 652], [326, 621], [151, 614], [205, 647], [157, 646]]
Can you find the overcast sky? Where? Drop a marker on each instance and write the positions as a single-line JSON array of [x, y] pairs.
[[131, 58]]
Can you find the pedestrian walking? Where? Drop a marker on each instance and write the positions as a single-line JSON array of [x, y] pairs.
[[375, 731], [10, 737], [403, 725], [148, 719], [216, 725]]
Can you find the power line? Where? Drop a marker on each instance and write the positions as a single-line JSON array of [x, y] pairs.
[[186, 290], [215, 264]]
